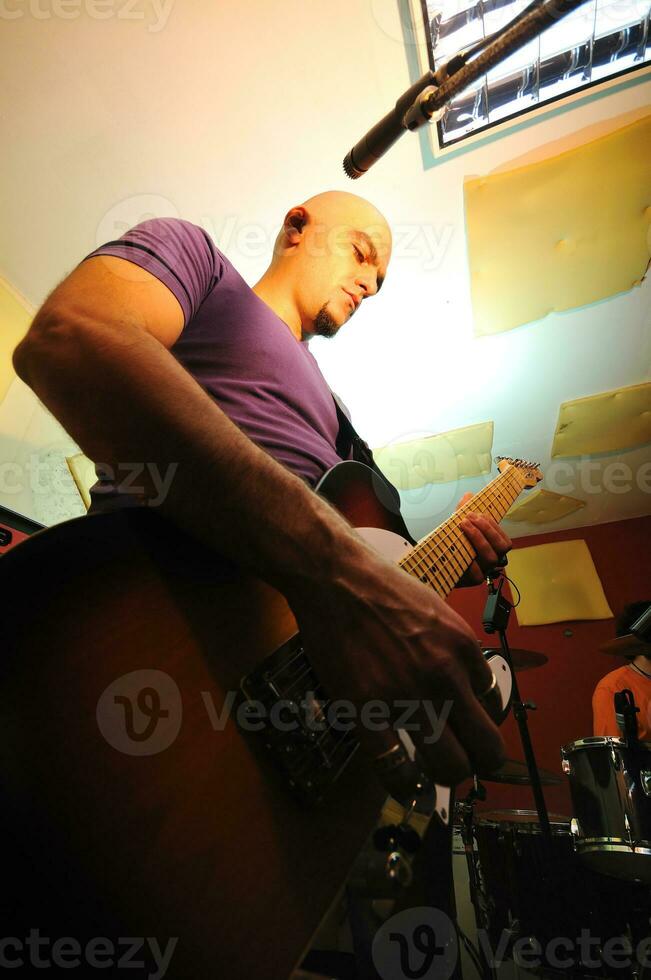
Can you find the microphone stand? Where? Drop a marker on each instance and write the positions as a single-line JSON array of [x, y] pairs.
[[430, 95], [533, 20], [496, 619]]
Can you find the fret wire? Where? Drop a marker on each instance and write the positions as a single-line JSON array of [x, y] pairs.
[[451, 534], [430, 550], [442, 561], [440, 579], [459, 514], [426, 543], [445, 557], [422, 549], [463, 544]]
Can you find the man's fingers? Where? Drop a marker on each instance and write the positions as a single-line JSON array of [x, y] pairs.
[[444, 757], [481, 737], [468, 655], [474, 574], [485, 551], [464, 500], [396, 771], [466, 679], [440, 752]]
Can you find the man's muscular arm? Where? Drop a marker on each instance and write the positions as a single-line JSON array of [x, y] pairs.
[[96, 356]]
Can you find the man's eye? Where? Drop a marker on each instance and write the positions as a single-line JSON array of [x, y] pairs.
[[359, 253]]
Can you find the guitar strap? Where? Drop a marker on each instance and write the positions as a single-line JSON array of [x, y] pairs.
[[348, 439]]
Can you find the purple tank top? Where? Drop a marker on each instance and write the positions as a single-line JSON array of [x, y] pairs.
[[237, 349]]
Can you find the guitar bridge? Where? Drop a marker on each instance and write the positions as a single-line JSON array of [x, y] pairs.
[[285, 704]]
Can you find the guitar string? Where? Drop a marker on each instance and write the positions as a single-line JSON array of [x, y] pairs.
[[444, 534], [433, 552], [429, 548], [453, 535], [429, 543]]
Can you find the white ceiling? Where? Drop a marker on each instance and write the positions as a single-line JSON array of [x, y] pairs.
[[228, 114]]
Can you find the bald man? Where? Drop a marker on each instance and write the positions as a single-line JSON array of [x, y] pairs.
[[155, 349]]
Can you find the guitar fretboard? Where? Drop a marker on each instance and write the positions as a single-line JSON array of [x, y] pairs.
[[441, 558]]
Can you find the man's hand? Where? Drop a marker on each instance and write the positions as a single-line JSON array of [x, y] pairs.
[[489, 541], [376, 635]]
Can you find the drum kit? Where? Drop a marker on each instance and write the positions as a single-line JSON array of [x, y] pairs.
[[563, 896]]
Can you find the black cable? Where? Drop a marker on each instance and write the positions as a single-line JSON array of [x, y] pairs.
[[516, 589], [472, 952]]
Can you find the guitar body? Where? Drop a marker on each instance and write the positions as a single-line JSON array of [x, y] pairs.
[[131, 803], [200, 840]]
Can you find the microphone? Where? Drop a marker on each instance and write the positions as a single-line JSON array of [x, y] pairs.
[[625, 712], [390, 128]]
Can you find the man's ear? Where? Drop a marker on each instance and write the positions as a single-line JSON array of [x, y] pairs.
[[295, 221]]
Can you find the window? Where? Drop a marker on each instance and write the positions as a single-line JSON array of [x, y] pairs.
[[599, 40]]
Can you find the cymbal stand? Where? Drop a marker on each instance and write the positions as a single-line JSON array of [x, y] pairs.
[[465, 808], [495, 620]]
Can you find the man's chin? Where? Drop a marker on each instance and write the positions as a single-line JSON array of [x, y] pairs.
[[324, 324]]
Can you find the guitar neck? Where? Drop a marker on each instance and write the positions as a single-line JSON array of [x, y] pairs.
[[441, 558]]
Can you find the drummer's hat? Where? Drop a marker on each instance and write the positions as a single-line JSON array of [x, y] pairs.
[[632, 631]]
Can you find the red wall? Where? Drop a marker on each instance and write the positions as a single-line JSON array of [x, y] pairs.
[[16, 537], [563, 688]]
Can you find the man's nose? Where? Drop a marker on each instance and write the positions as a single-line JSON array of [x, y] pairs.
[[367, 282]]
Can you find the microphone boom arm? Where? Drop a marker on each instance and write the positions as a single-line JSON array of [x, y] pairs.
[[432, 93]]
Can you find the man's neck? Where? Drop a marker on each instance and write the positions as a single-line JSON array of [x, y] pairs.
[[643, 663], [274, 292]]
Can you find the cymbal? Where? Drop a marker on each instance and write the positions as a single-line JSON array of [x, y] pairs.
[[628, 645], [515, 772], [522, 659]]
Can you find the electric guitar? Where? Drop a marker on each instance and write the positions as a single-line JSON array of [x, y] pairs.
[[138, 796]]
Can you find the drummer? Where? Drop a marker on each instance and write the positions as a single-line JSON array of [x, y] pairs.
[[635, 675]]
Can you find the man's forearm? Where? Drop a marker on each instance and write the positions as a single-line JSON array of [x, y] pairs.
[[126, 400]]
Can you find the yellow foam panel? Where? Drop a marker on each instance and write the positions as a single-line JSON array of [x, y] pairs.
[[557, 582], [15, 318], [440, 458], [560, 233], [543, 507], [611, 421], [83, 473]]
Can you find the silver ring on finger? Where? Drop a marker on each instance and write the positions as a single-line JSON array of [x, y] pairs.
[[392, 759]]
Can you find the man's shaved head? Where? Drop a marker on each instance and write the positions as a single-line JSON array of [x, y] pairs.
[[338, 210], [331, 253]]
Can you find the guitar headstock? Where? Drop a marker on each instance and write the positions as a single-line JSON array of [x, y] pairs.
[[529, 472]]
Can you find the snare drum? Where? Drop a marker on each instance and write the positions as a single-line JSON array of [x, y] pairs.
[[610, 783], [536, 889], [515, 870]]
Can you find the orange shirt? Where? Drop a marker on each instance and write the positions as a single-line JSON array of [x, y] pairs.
[[603, 708]]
